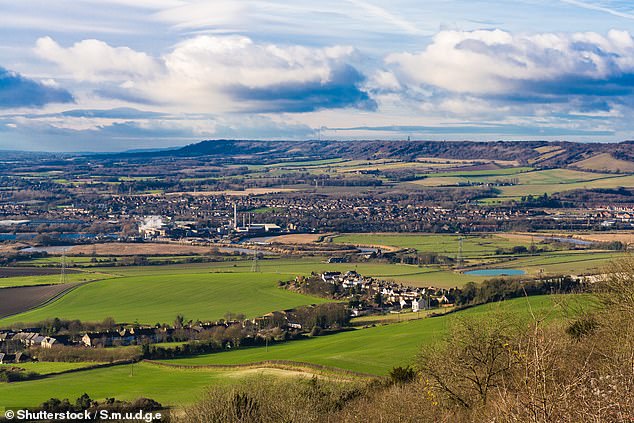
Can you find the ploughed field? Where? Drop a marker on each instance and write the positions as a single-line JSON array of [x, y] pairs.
[[17, 300]]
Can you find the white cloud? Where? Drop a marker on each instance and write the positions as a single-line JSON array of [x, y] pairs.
[[199, 72], [94, 60], [497, 62], [239, 60]]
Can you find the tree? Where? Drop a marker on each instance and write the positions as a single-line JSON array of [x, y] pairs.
[[179, 322], [108, 323], [476, 357], [84, 402], [235, 334], [378, 300]]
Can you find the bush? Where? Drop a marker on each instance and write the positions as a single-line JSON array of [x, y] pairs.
[[402, 374], [581, 327], [267, 400]]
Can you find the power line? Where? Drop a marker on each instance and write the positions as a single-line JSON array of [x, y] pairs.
[[255, 267], [62, 277]]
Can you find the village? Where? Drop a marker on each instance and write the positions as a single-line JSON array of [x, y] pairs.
[[380, 296]]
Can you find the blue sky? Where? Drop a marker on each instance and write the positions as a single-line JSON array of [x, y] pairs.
[[109, 75]]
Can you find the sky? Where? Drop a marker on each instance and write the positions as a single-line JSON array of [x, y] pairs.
[[114, 75]]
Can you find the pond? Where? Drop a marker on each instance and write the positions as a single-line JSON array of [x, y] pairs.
[[495, 272]]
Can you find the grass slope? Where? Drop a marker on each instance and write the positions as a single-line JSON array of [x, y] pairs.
[[159, 298], [49, 367], [166, 385], [373, 350], [604, 162]]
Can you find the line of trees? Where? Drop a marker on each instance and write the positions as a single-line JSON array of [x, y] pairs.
[[500, 289]]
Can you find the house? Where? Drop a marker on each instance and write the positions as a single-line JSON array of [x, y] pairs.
[[444, 300], [91, 339], [13, 358], [419, 304], [331, 277], [6, 336], [37, 341], [48, 342], [27, 338]]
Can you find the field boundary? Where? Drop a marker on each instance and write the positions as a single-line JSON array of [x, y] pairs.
[[268, 364], [38, 376]]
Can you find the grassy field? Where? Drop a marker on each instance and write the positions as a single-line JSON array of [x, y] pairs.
[[152, 299], [51, 279], [472, 245], [558, 176], [375, 350], [551, 188], [529, 182], [603, 162], [524, 176], [289, 268], [126, 382], [566, 262]]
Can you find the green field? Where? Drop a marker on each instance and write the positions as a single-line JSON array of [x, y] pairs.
[[535, 182], [487, 173], [374, 350], [159, 298], [51, 279], [289, 268], [126, 382], [565, 262], [472, 245], [523, 176], [551, 188]]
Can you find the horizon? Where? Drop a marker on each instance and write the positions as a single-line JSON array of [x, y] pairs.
[[179, 147]]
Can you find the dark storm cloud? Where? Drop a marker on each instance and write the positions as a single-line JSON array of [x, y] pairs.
[[19, 91]]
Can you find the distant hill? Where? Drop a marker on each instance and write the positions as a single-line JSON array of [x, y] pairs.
[[588, 156]]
